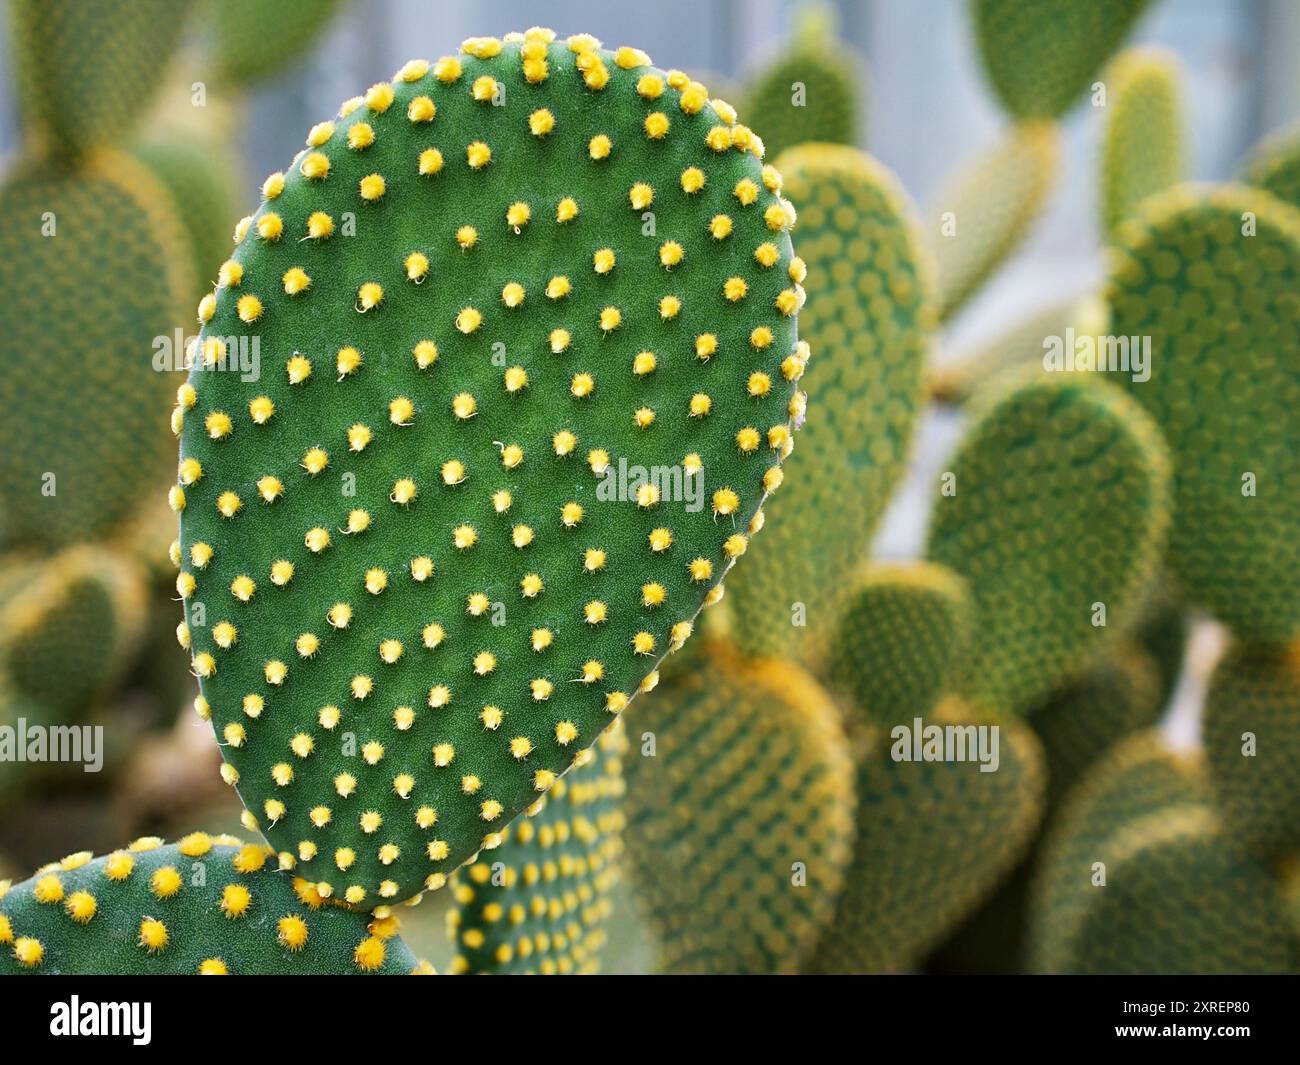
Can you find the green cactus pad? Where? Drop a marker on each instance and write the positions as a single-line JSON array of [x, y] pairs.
[[1058, 502], [60, 47], [1041, 56], [68, 625], [1256, 690], [750, 787], [868, 317], [1185, 275], [1274, 165], [540, 903], [1142, 145], [206, 905], [1117, 697], [252, 39], [934, 837], [202, 191], [81, 312], [981, 215], [811, 92], [440, 573], [902, 640]]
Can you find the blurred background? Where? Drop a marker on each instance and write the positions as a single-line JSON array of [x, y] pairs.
[[926, 109]]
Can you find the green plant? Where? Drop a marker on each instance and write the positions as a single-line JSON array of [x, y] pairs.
[[1274, 165], [1251, 728], [812, 92], [901, 641], [1040, 56], [207, 904], [540, 903], [1192, 272], [95, 271], [421, 602], [252, 40], [1054, 509], [1142, 146], [868, 318], [740, 814]]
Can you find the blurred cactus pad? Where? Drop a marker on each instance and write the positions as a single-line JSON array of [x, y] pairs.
[[812, 92], [516, 310], [95, 267], [869, 318], [1194, 274], [1274, 165], [1054, 509], [208, 905]]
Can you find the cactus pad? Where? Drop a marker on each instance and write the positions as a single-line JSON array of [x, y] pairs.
[[902, 641], [82, 310], [1041, 56], [1186, 275], [987, 208], [749, 790], [1274, 165], [205, 905], [868, 318], [933, 838], [1256, 690], [1142, 146], [1058, 507], [540, 903], [431, 570], [253, 40], [121, 47]]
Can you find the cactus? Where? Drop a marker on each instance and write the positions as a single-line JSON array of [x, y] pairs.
[[68, 625], [1142, 146], [812, 92], [540, 903], [902, 641], [868, 318], [1251, 728], [749, 790], [210, 905], [1054, 509], [95, 267], [933, 838], [1179, 896], [985, 210], [1193, 272], [120, 47], [402, 534], [1274, 165], [1041, 56], [252, 40]]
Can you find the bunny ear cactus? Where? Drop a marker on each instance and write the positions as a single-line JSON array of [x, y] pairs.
[[207, 905], [912, 879], [902, 640], [252, 39], [1178, 895], [504, 445], [811, 93], [540, 903], [1196, 271], [1251, 731], [868, 318], [1041, 56], [1274, 166], [740, 816], [1142, 145], [68, 625], [986, 209], [1054, 509], [95, 267], [121, 47]]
